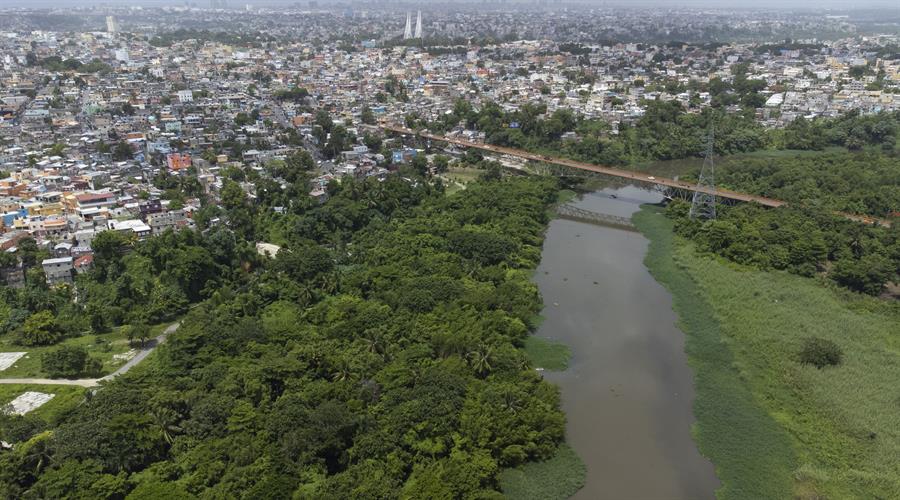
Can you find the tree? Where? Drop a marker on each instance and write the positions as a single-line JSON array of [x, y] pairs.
[[480, 359], [122, 151], [97, 317], [367, 116], [39, 329], [867, 274], [304, 263], [242, 119], [419, 163], [28, 251], [338, 141], [323, 120], [70, 362], [441, 163], [139, 331], [857, 71], [108, 247]]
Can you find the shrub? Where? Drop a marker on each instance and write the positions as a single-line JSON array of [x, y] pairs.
[[820, 352]]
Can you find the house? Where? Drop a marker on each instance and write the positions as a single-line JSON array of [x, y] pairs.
[[58, 270], [161, 221], [84, 263], [138, 227], [87, 201], [177, 161]]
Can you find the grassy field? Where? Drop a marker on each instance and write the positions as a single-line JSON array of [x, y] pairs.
[[547, 354], [463, 175], [103, 347], [66, 397], [774, 427], [557, 478]]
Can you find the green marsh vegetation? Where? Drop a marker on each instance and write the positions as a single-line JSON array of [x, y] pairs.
[[774, 425], [555, 479], [547, 354]]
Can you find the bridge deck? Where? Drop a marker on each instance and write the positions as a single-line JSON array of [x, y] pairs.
[[616, 172]]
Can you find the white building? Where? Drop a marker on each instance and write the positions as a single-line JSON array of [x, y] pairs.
[[138, 227]]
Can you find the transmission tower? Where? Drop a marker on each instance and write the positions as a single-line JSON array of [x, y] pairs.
[[703, 205]]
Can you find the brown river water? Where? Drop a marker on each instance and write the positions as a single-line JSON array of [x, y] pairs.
[[628, 390]]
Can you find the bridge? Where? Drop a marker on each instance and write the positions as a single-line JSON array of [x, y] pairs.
[[672, 184], [571, 212]]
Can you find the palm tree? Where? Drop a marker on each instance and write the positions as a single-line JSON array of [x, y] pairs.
[[373, 342], [165, 418], [341, 374], [305, 294], [37, 452], [511, 402], [480, 359], [330, 283]]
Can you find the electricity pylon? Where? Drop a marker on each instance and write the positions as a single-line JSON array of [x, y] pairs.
[[703, 204]]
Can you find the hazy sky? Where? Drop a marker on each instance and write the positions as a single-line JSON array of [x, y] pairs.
[[832, 4]]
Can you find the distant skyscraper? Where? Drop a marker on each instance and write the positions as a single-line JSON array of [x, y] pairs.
[[418, 25], [407, 33], [111, 25]]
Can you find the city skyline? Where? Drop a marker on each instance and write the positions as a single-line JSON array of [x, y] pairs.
[[324, 4]]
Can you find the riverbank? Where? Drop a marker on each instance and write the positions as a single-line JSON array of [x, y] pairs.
[[772, 426]]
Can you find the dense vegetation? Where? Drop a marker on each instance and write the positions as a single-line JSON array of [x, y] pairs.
[[807, 242], [665, 131], [794, 381], [377, 356], [861, 183]]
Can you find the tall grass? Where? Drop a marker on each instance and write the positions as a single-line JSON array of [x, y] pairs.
[[546, 353], [773, 426], [555, 479]]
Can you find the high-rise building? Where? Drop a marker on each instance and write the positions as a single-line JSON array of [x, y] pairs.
[[418, 25], [111, 25], [407, 33]]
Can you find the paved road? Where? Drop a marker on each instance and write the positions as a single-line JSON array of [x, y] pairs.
[[91, 382]]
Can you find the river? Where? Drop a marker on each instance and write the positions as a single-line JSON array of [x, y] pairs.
[[628, 390]]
